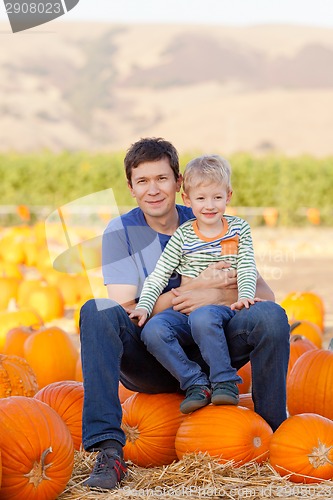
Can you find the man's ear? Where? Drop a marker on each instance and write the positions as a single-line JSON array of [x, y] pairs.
[[186, 200], [131, 189], [229, 196]]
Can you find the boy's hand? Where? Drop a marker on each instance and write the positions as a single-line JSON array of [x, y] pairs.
[[241, 303], [139, 314]]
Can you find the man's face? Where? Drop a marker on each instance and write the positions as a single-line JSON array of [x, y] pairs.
[[154, 187]]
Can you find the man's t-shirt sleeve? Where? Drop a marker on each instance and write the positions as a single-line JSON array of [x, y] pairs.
[[119, 267]]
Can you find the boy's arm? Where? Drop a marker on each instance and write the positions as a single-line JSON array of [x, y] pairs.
[[246, 265], [159, 278]]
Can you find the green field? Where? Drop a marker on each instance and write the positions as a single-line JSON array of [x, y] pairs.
[[290, 184]]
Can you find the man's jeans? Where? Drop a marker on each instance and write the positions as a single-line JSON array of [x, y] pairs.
[[168, 334], [112, 350]]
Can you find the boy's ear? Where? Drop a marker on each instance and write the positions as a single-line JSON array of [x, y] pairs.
[[186, 200], [229, 196]]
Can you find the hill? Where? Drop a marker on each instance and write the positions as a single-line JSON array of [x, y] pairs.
[[100, 86]]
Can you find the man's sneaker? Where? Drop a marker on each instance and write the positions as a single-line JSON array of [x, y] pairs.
[[225, 393], [196, 397], [108, 471]]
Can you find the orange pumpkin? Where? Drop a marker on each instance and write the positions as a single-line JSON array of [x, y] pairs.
[[298, 346], [78, 370], [8, 290], [309, 330], [51, 354], [66, 398], [124, 393], [15, 338], [310, 382], [48, 301], [304, 306], [246, 374], [246, 401], [303, 446], [37, 450], [12, 319], [228, 432], [17, 378], [10, 269], [150, 423]]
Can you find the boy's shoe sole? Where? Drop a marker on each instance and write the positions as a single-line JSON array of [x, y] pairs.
[[197, 396]]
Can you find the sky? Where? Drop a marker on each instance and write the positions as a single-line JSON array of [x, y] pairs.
[[229, 12]]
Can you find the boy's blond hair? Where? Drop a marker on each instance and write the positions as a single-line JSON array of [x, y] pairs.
[[205, 170]]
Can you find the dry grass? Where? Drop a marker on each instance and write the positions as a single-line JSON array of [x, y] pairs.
[[196, 476]]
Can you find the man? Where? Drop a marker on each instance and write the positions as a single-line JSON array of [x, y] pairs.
[[111, 348]]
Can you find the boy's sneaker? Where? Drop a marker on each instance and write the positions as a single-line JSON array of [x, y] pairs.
[[225, 393], [108, 471], [196, 397]]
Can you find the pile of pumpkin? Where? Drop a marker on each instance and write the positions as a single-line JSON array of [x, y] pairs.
[[41, 390]]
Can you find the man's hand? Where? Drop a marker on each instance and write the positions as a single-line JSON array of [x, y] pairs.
[[188, 301], [138, 314], [241, 303]]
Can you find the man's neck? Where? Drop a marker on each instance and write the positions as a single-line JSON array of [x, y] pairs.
[[164, 225]]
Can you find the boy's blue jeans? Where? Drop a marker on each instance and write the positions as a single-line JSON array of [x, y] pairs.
[[169, 333], [112, 350]]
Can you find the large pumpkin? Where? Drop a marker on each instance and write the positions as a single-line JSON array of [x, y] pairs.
[[303, 446], [124, 393], [304, 306], [228, 432], [51, 354], [298, 346], [37, 450], [150, 423], [310, 382], [66, 398], [17, 378]]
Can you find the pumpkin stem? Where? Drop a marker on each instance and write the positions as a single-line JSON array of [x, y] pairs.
[[330, 345], [37, 473], [294, 325], [132, 433], [319, 456]]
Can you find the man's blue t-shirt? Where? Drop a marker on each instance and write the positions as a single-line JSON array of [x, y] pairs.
[[131, 248]]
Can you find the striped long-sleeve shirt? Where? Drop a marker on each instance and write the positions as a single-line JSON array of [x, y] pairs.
[[189, 253]]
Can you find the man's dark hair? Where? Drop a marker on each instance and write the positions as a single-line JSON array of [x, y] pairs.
[[150, 149]]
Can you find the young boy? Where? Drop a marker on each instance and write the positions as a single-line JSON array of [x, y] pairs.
[[199, 242]]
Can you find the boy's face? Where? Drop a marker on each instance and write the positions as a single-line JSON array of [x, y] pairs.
[[154, 187], [208, 202]]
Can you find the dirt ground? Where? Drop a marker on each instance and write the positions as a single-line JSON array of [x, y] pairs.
[[294, 259]]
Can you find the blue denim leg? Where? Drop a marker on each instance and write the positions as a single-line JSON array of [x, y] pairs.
[[166, 335], [261, 334], [111, 350], [207, 325]]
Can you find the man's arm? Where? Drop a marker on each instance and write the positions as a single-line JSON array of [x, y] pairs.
[[263, 291], [123, 294]]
